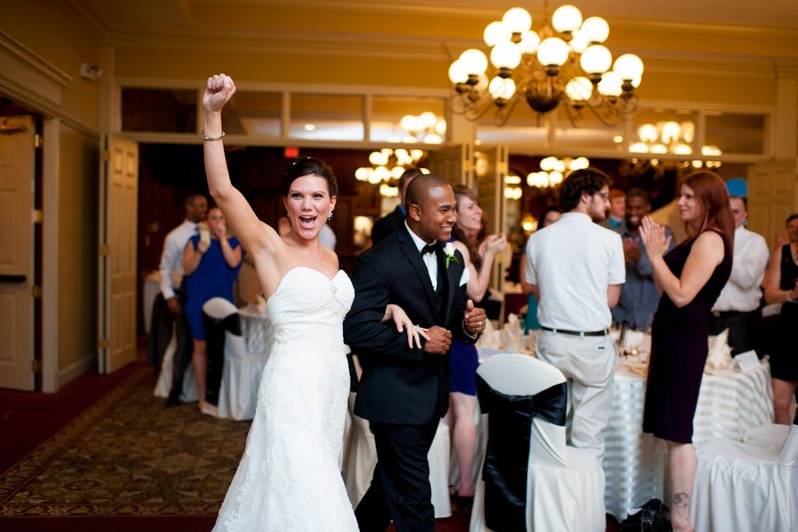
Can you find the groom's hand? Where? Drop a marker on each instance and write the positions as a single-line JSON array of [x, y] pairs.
[[474, 319], [439, 341]]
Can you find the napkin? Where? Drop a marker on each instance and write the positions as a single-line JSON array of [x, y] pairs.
[[512, 334], [719, 356], [490, 338]]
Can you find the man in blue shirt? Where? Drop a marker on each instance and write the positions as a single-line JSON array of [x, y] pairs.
[[639, 297]]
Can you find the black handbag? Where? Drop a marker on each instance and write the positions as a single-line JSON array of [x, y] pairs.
[[653, 516]]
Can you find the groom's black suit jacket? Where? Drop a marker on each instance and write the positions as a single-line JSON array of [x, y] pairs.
[[400, 385]]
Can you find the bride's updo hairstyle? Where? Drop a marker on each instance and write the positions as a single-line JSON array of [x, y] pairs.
[[303, 166]]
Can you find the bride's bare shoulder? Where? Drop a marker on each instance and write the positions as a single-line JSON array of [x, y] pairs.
[[330, 255]]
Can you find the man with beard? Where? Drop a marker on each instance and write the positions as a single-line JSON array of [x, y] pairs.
[[639, 297], [576, 270]]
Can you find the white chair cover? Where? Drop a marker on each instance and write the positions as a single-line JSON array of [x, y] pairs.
[[565, 486], [361, 459], [218, 308], [164, 385], [241, 373], [770, 436], [746, 488]]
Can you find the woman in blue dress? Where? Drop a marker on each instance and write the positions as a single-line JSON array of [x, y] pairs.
[[211, 261], [463, 358], [547, 217]]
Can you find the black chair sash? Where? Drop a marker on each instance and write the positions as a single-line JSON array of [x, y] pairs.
[[506, 457], [215, 333]]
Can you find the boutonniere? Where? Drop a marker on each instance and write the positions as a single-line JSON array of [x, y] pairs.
[[449, 250]]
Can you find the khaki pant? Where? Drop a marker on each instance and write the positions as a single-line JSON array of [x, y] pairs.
[[588, 362]]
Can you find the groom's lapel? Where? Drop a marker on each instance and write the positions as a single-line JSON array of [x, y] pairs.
[[453, 274], [414, 257]]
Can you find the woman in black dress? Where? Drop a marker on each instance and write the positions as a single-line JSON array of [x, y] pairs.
[[781, 286], [690, 278]]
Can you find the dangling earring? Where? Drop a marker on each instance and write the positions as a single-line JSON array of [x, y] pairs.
[[329, 216]]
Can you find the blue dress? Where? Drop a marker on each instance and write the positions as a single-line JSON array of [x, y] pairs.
[[463, 364], [212, 278]]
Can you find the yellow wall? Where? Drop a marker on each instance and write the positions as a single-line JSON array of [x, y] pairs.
[[57, 33], [54, 31], [77, 252]]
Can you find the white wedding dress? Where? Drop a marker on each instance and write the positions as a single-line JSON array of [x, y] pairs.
[[289, 477]]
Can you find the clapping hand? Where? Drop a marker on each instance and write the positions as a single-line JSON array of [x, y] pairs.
[[218, 91], [492, 245], [474, 319], [220, 231], [653, 236]]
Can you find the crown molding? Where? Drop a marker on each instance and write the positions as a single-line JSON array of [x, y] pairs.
[[470, 10], [18, 51]]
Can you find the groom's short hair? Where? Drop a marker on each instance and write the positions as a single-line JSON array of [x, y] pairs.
[[418, 189]]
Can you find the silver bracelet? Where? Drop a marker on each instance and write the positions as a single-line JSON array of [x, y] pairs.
[[208, 139]]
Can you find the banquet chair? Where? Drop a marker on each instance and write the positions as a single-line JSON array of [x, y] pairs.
[[745, 487], [241, 372], [163, 385], [529, 479], [361, 458], [770, 436]]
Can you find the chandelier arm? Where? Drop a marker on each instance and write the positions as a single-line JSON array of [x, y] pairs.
[[597, 108], [570, 111]]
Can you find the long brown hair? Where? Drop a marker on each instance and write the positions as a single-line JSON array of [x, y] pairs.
[[472, 244], [710, 192]]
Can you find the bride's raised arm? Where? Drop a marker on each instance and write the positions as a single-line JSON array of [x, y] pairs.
[[252, 233]]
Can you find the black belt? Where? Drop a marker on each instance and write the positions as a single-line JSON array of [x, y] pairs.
[[602, 332]]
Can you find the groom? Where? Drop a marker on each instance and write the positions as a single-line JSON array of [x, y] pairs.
[[404, 391]]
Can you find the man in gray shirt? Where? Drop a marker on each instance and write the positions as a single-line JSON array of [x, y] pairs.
[[639, 297]]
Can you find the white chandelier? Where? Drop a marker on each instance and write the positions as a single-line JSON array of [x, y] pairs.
[[563, 62], [674, 138], [511, 189], [388, 165], [554, 170], [427, 128]]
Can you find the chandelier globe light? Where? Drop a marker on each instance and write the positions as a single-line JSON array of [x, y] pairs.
[[554, 170], [546, 68]]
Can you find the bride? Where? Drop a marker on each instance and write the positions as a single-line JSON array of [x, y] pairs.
[[289, 477]]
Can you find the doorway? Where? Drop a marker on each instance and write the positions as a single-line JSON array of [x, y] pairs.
[[20, 247]]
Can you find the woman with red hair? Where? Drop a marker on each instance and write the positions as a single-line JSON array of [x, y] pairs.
[[690, 278]]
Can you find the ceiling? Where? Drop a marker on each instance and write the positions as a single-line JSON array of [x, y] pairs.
[[182, 15]]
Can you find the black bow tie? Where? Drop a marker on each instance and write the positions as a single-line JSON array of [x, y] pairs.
[[431, 248]]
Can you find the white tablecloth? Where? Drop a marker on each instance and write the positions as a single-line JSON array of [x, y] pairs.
[[729, 404]]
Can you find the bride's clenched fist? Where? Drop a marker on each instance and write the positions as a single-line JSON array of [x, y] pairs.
[[218, 91]]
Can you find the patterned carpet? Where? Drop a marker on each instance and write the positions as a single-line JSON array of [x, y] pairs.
[[128, 455]]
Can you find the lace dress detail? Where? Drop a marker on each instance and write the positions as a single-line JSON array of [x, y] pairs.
[[289, 477]]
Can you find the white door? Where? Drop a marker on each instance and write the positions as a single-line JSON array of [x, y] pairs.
[[117, 290], [17, 168], [771, 197]]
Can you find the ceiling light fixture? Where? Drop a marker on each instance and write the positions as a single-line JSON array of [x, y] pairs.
[[565, 62]]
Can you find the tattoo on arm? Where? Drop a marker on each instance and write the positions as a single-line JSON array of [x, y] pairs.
[[681, 500]]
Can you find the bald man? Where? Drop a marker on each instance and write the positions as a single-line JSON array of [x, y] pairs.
[[403, 391]]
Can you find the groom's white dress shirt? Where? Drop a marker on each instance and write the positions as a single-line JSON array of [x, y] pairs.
[[431, 262]]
